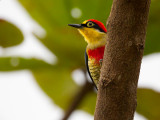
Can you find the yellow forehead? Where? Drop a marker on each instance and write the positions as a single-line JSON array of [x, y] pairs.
[[85, 22]]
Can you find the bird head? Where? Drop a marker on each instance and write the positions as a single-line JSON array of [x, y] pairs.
[[93, 31]]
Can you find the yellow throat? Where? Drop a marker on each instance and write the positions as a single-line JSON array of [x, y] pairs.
[[93, 37]]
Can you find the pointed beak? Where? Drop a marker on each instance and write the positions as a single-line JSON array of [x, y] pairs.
[[76, 25]]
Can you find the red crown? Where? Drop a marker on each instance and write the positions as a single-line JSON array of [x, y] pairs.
[[99, 24]]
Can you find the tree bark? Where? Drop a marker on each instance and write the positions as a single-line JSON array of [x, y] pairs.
[[116, 99]]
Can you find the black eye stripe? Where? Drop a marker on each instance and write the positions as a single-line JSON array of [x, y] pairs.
[[84, 25]]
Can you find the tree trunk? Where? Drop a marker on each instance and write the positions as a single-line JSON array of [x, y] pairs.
[[126, 26]]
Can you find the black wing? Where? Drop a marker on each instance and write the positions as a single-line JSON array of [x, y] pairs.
[[86, 62]]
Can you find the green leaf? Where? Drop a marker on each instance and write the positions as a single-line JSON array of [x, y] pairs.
[[153, 29], [17, 63], [10, 35], [58, 84], [148, 104]]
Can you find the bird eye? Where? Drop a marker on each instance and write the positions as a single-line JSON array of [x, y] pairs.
[[90, 24]]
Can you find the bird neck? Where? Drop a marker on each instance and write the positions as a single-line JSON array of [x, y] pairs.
[[93, 37], [96, 44], [96, 41]]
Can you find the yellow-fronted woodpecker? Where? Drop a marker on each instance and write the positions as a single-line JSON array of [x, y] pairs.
[[95, 35]]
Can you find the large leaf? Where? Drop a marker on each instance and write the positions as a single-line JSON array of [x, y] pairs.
[[148, 104], [153, 30], [58, 84], [10, 35], [17, 63]]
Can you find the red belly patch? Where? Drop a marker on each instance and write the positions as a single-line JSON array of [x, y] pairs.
[[97, 53]]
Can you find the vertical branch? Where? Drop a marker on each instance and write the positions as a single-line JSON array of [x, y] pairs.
[[126, 26]]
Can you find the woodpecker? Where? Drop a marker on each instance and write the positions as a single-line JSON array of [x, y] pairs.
[[95, 34]]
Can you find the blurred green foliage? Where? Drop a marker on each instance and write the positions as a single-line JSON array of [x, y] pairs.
[[148, 103], [17, 63], [152, 40], [10, 35], [69, 47]]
